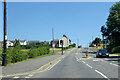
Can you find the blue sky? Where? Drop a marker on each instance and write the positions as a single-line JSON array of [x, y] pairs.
[[34, 21]]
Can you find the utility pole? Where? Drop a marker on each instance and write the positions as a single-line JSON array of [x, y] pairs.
[[4, 62], [77, 42], [53, 45]]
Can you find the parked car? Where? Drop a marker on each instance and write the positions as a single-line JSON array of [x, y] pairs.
[[102, 53], [79, 46]]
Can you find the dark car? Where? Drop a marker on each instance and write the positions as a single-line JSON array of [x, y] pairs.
[[102, 53]]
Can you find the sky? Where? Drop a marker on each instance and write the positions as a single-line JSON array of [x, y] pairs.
[[35, 20]]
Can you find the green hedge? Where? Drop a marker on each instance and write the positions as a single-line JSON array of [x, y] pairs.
[[16, 54], [116, 49]]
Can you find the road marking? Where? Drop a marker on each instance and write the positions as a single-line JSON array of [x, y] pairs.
[[77, 59], [27, 77], [30, 75], [95, 60], [89, 65], [83, 61], [89, 57], [115, 64], [102, 74], [16, 77]]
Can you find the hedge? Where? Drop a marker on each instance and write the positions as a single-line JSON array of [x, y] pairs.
[[16, 54], [116, 49]]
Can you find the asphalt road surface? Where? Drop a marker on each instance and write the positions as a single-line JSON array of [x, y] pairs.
[[77, 65]]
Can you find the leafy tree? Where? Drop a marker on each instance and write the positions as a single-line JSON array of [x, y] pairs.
[[112, 31], [97, 41], [17, 43]]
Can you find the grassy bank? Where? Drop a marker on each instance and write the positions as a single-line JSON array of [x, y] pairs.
[[117, 54]]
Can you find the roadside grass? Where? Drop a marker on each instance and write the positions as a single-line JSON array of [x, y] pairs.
[[26, 50], [117, 54]]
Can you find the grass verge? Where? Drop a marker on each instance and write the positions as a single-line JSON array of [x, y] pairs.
[[117, 54]]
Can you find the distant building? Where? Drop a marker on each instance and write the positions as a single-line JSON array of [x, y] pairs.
[[10, 43], [23, 42], [66, 42]]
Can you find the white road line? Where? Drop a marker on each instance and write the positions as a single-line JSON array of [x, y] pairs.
[[102, 74], [27, 77], [89, 65], [77, 58], [30, 75], [83, 61], [16, 77], [114, 64], [95, 60]]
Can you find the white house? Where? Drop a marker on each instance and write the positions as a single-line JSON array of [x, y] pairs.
[[23, 42], [9, 43], [66, 42]]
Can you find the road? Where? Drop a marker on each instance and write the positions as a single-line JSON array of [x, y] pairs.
[[77, 65]]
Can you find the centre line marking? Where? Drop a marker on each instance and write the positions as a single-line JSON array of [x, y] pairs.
[[89, 65], [114, 64], [83, 61], [102, 74]]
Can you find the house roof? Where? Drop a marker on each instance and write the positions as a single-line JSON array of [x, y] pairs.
[[65, 36]]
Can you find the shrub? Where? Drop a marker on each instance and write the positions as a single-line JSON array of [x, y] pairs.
[[33, 52], [9, 56], [17, 55], [116, 49]]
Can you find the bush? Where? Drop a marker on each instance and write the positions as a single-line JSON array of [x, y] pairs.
[[116, 49], [9, 56], [17, 55], [33, 52]]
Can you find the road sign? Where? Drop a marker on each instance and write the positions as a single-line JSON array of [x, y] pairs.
[[53, 45]]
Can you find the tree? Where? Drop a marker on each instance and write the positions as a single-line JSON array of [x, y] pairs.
[[17, 43], [113, 25], [104, 31], [97, 41]]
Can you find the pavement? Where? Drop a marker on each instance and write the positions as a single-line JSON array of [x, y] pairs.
[[76, 65]]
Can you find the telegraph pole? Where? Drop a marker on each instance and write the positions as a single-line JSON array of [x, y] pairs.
[[4, 63], [77, 42], [53, 45]]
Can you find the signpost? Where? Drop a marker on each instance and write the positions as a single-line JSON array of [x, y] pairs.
[[53, 45], [61, 43]]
